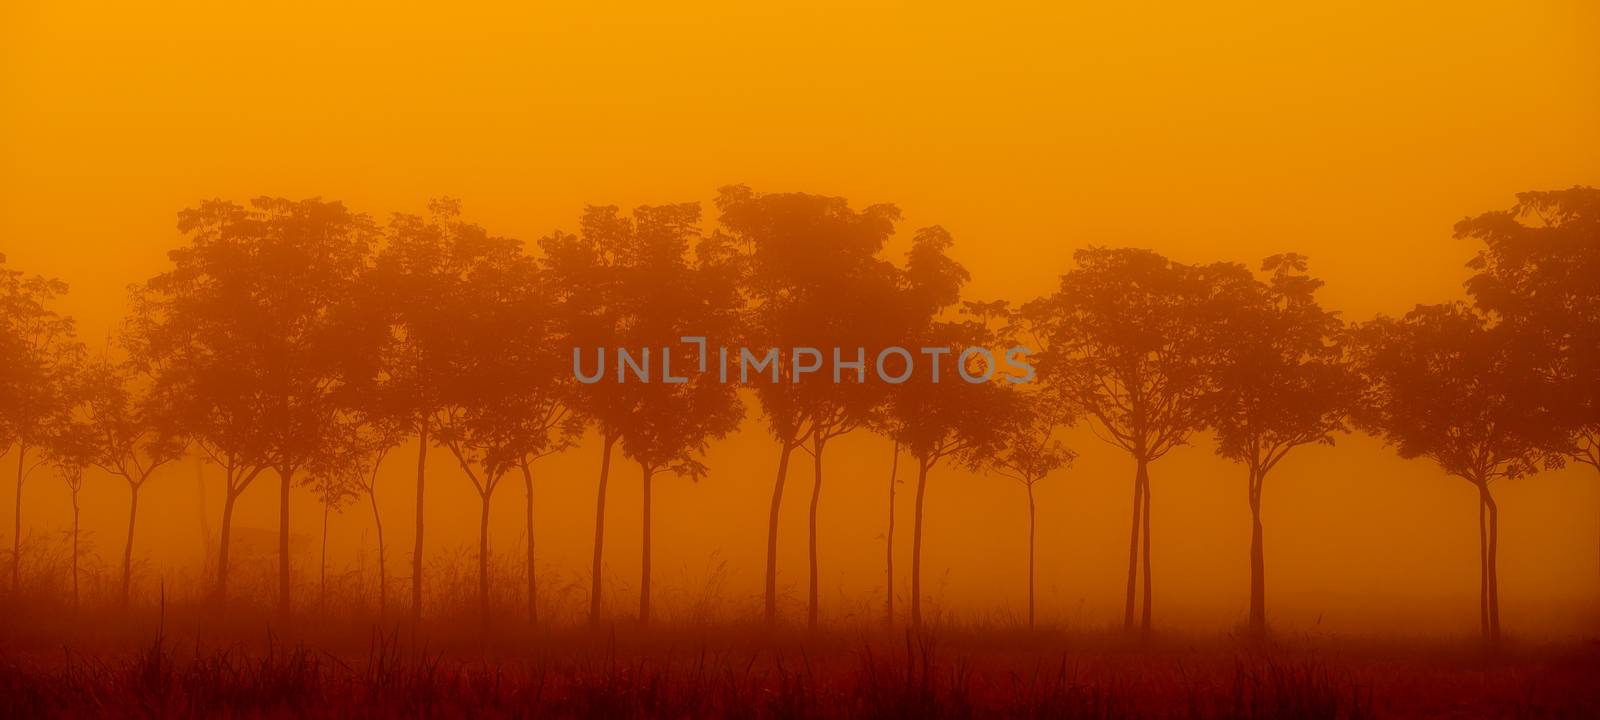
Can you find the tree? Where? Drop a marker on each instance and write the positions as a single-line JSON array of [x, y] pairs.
[[39, 358], [1028, 454], [1445, 384], [508, 399], [815, 280], [1536, 273], [127, 438], [336, 488], [70, 451], [1122, 340], [250, 335], [648, 294], [1279, 382], [421, 291], [935, 415]]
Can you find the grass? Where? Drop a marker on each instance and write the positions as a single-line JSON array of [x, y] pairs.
[[171, 655]]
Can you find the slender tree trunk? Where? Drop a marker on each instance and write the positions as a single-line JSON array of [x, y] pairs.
[[816, 495], [483, 559], [16, 533], [533, 585], [222, 547], [916, 547], [1258, 559], [322, 560], [1144, 619], [1493, 566], [888, 541], [416, 548], [287, 475], [1483, 563], [127, 546], [75, 596], [599, 531], [772, 534], [1133, 544], [383, 568], [644, 564], [1032, 526]]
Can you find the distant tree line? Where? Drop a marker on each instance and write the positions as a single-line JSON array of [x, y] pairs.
[[304, 341]]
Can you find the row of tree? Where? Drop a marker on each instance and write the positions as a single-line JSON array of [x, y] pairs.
[[305, 341]]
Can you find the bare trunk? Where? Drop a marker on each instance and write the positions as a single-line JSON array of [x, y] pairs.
[[322, 560], [533, 585], [888, 541], [16, 532], [75, 596], [383, 568], [1144, 618], [127, 546], [599, 531], [286, 474], [222, 547], [916, 547], [1133, 545], [483, 560], [772, 534], [816, 495], [1258, 559], [1032, 526], [644, 563], [416, 548], [1493, 569], [1483, 564]]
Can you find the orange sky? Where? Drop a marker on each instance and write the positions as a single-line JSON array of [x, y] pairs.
[[1355, 133]]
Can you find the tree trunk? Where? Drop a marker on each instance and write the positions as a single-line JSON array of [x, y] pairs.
[[1032, 526], [1258, 559], [772, 534], [533, 585], [127, 547], [1144, 619], [286, 474], [816, 495], [75, 596], [1493, 569], [383, 568], [222, 547], [599, 531], [322, 560], [483, 560], [644, 563], [416, 548], [916, 547], [1133, 545], [1483, 563], [16, 533], [888, 541]]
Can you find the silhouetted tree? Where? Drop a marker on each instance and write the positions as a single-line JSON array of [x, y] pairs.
[[508, 400], [815, 281], [939, 417], [127, 439], [1539, 272], [39, 357], [1029, 453], [249, 332], [1122, 340], [336, 489], [629, 284], [422, 285], [1445, 384], [1279, 382], [70, 450]]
